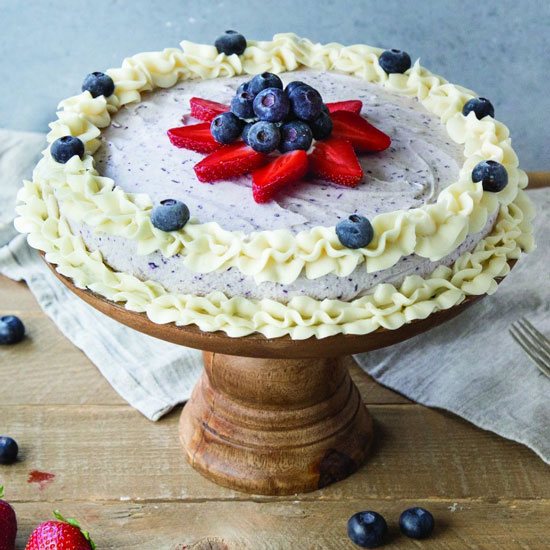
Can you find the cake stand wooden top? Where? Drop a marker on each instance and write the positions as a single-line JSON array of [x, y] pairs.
[[257, 345]]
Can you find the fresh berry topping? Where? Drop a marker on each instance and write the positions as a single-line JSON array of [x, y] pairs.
[[395, 61], [294, 85], [492, 174], [265, 80], [281, 171], [367, 529], [8, 450], [196, 137], [355, 129], [231, 42], [416, 523], [64, 534], [243, 87], [65, 148], [352, 105], [295, 135], [481, 106], [242, 105], [335, 160], [355, 231], [229, 161], [226, 128], [204, 109], [321, 127], [170, 215], [263, 137], [272, 105], [246, 129], [8, 524], [98, 84], [306, 103], [12, 329]]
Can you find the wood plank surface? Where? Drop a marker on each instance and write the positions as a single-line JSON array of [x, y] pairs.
[[126, 479]]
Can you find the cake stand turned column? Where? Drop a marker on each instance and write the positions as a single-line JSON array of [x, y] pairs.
[[275, 426]]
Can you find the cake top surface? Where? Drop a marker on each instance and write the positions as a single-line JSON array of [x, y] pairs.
[[422, 160]]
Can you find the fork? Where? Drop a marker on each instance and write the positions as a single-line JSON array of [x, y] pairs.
[[533, 343]]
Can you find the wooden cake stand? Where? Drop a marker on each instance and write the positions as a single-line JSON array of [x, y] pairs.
[[272, 416]]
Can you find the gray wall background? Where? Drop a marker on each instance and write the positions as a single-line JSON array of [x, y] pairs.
[[499, 48]]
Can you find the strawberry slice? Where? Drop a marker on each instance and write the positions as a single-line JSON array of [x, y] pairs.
[[335, 160], [352, 105], [281, 171], [196, 137], [206, 110], [229, 161], [361, 134]]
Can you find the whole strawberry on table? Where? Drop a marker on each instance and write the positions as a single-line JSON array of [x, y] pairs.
[[60, 534], [8, 524]]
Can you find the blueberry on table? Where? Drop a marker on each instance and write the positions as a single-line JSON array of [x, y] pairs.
[[321, 127], [355, 231], [481, 106], [306, 103], [295, 135], [271, 105], [226, 128], [231, 42], [265, 80], [170, 215], [98, 84], [264, 137], [395, 61], [294, 85], [367, 529], [416, 523], [8, 450], [242, 105], [491, 174], [65, 148], [12, 329]]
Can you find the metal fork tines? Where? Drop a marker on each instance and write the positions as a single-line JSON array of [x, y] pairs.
[[535, 344]]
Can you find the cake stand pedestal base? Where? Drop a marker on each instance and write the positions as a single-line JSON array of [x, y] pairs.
[[275, 426]]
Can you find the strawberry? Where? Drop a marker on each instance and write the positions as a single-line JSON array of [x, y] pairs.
[[335, 160], [196, 137], [229, 161], [352, 105], [206, 110], [64, 534], [355, 129], [8, 524], [281, 171]]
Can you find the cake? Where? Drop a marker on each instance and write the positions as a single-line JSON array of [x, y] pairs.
[[443, 205]]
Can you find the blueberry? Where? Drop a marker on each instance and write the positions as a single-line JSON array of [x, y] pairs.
[[12, 329], [246, 129], [395, 61], [169, 215], [481, 106], [355, 231], [264, 137], [295, 135], [242, 105], [265, 80], [306, 103], [321, 127], [8, 450], [294, 85], [66, 147], [367, 529], [416, 523], [325, 109], [243, 87], [492, 174], [231, 42], [272, 105], [98, 84], [226, 128]]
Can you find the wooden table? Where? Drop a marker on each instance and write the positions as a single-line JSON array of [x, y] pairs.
[[126, 480]]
